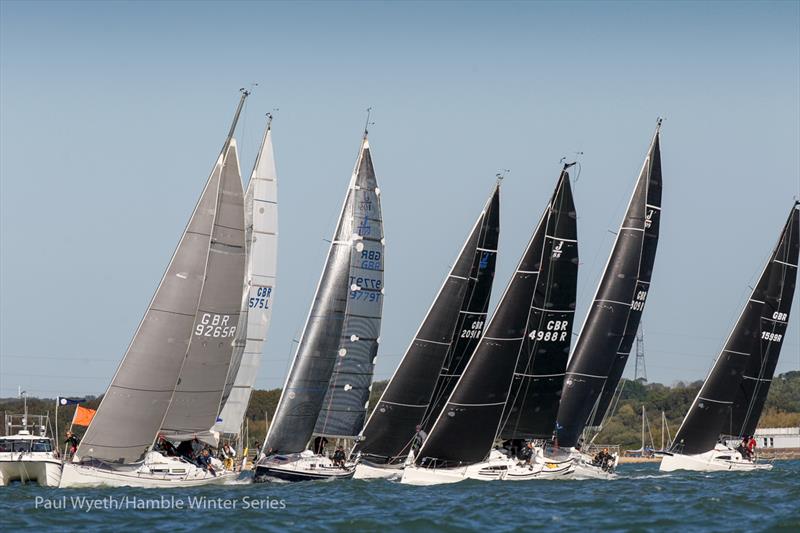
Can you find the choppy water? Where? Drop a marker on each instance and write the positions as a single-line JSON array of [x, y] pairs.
[[642, 499]]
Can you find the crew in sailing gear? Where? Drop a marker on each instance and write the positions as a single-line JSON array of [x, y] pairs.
[[319, 445], [419, 438], [526, 453], [339, 457], [71, 443], [204, 461], [166, 447], [603, 459], [748, 447], [228, 455], [186, 449]]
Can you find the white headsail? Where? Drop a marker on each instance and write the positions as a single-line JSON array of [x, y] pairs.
[[261, 241]]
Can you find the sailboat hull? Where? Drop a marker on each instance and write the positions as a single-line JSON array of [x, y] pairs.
[[720, 459], [366, 470], [155, 472], [498, 468], [304, 466], [44, 471]]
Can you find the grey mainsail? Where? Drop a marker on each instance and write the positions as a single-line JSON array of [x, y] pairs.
[[261, 241], [130, 415], [344, 409], [195, 403], [325, 339]]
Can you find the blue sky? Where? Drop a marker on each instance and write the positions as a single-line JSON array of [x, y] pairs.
[[113, 113]]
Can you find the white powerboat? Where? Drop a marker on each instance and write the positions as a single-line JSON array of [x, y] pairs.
[[27, 457]]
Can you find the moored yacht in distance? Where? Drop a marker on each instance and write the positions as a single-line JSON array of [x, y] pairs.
[[732, 397]]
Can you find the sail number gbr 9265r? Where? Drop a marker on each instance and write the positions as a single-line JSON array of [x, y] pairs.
[[214, 325]]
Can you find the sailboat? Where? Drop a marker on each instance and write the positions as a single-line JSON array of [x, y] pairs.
[[327, 389], [732, 397], [171, 380], [607, 336], [261, 241], [532, 324], [437, 354]]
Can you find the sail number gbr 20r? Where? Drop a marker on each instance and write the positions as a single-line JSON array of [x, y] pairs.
[[214, 325]]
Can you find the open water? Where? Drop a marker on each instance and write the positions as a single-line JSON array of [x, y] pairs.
[[641, 499]]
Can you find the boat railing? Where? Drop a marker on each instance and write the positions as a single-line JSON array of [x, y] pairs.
[[36, 425]]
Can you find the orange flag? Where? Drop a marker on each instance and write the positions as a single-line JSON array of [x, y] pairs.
[[83, 416]]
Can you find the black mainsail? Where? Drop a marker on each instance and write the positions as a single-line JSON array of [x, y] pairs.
[[335, 359], [448, 333], [732, 397], [533, 301], [610, 328]]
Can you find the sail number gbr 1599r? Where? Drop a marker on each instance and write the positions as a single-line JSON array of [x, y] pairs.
[[214, 325]]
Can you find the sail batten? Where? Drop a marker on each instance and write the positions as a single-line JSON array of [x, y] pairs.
[[463, 296]]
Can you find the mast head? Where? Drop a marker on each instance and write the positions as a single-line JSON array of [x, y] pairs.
[[501, 174], [368, 123]]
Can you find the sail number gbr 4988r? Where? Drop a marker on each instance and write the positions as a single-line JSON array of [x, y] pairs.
[[214, 325]]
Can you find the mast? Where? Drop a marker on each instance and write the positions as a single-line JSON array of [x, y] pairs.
[[607, 336]]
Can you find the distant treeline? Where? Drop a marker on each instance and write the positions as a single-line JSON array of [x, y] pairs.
[[624, 428]]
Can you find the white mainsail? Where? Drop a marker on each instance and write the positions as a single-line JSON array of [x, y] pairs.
[[261, 241]]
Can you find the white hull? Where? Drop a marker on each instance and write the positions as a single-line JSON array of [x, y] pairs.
[[370, 471], [156, 472], [584, 469], [498, 468], [305, 466], [720, 459], [28, 468]]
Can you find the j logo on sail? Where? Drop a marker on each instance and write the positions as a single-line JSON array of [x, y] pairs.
[[557, 249], [648, 219]]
